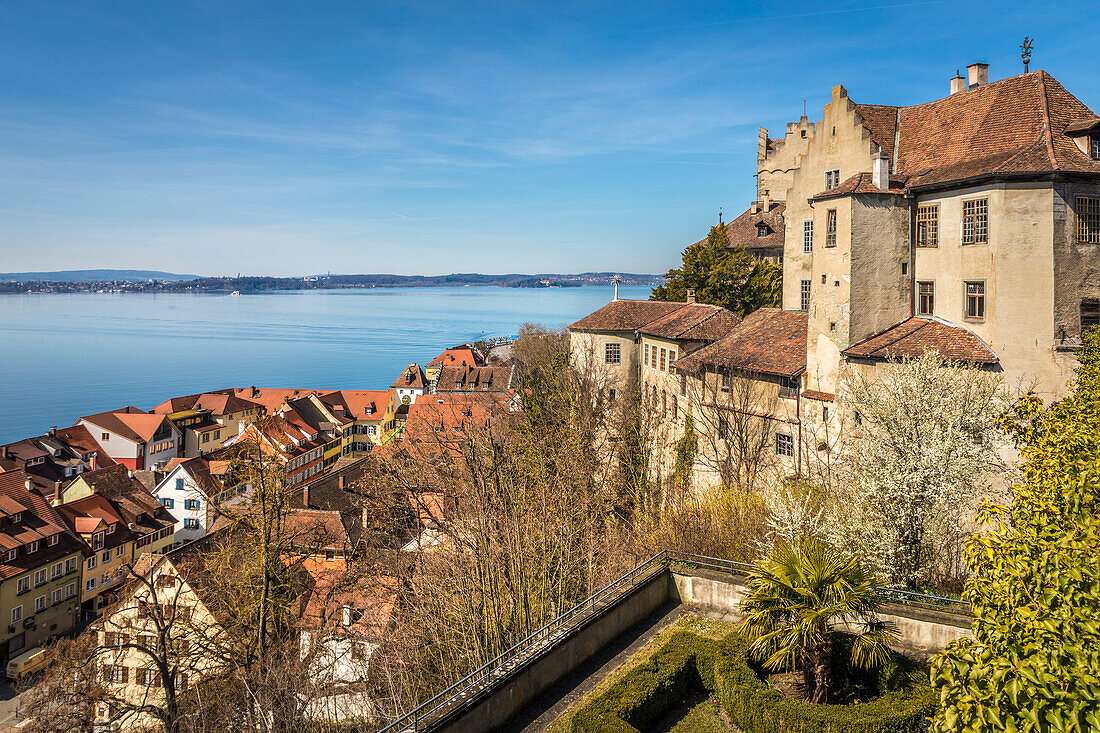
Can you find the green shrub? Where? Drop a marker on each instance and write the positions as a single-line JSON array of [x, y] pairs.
[[687, 661], [906, 699]]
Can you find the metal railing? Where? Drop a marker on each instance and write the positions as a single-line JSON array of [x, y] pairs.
[[467, 688]]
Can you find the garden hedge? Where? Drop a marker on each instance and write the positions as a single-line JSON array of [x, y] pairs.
[[723, 668]]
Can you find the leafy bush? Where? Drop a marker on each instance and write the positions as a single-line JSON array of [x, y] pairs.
[[723, 668]]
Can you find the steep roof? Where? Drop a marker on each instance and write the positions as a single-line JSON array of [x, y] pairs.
[[412, 377], [357, 401], [920, 335], [769, 340], [743, 231], [39, 521], [695, 321], [129, 422], [471, 379], [625, 315], [1016, 125], [129, 496]]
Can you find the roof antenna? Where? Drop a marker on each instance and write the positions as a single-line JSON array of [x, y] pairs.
[[1025, 51], [719, 216]]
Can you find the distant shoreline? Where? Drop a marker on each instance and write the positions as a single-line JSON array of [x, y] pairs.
[[243, 285]]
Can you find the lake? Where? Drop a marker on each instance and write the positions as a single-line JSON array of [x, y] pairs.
[[68, 355]]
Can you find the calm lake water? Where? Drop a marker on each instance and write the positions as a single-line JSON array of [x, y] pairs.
[[64, 356]]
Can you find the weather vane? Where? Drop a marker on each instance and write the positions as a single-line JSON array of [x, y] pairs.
[[1025, 51], [719, 214]]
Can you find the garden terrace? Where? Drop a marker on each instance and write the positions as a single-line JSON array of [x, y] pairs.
[[519, 690]]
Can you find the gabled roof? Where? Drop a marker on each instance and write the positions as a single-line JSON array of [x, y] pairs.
[[693, 321], [770, 340], [271, 398], [356, 401], [474, 379], [625, 315], [39, 521], [920, 335], [129, 496], [412, 377], [219, 402], [129, 422], [463, 355], [1011, 126], [199, 471]]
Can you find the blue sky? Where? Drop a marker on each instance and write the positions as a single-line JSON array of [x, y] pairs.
[[292, 138]]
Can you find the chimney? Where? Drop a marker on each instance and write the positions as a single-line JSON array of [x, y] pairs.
[[254, 391], [53, 431], [691, 295], [880, 171], [754, 208], [958, 83], [977, 74], [92, 461], [340, 480], [305, 496], [766, 201], [56, 492], [28, 483]]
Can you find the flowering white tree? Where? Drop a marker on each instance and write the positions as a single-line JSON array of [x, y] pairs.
[[925, 447]]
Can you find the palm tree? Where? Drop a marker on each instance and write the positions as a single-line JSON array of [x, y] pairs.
[[798, 598]]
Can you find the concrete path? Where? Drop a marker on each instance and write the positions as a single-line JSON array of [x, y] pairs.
[[555, 701]]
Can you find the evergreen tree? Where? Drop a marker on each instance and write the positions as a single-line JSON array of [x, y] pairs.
[[723, 275]]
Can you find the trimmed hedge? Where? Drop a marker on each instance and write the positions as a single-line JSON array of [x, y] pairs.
[[723, 668]]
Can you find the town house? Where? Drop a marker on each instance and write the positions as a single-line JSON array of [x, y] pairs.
[[40, 568], [133, 437]]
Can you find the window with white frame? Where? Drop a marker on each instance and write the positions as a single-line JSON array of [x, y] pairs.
[[612, 354], [808, 236], [53, 540], [40, 577], [56, 570], [1096, 148], [804, 296], [70, 590], [90, 585], [784, 445], [56, 596], [40, 604], [17, 613], [664, 360], [832, 179], [975, 221], [830, 228], [23, 585]]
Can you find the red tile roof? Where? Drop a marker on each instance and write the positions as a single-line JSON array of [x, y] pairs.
[[474, 379], [919, 335], [811, 394], [39, 521], [458, 356], [625, 315], [769, 340], [693, 321], [1012, 126], [411, 378], [743, 231], [861, 183], [129, 422]]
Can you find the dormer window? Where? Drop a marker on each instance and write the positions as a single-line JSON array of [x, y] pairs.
[[17, 518], [1095, 147], [97, 541], [10, 557], [762, 230], [53, 540], [33, 547], [110, 529]]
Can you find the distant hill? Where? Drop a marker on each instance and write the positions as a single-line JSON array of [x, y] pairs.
[[83, 276]]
